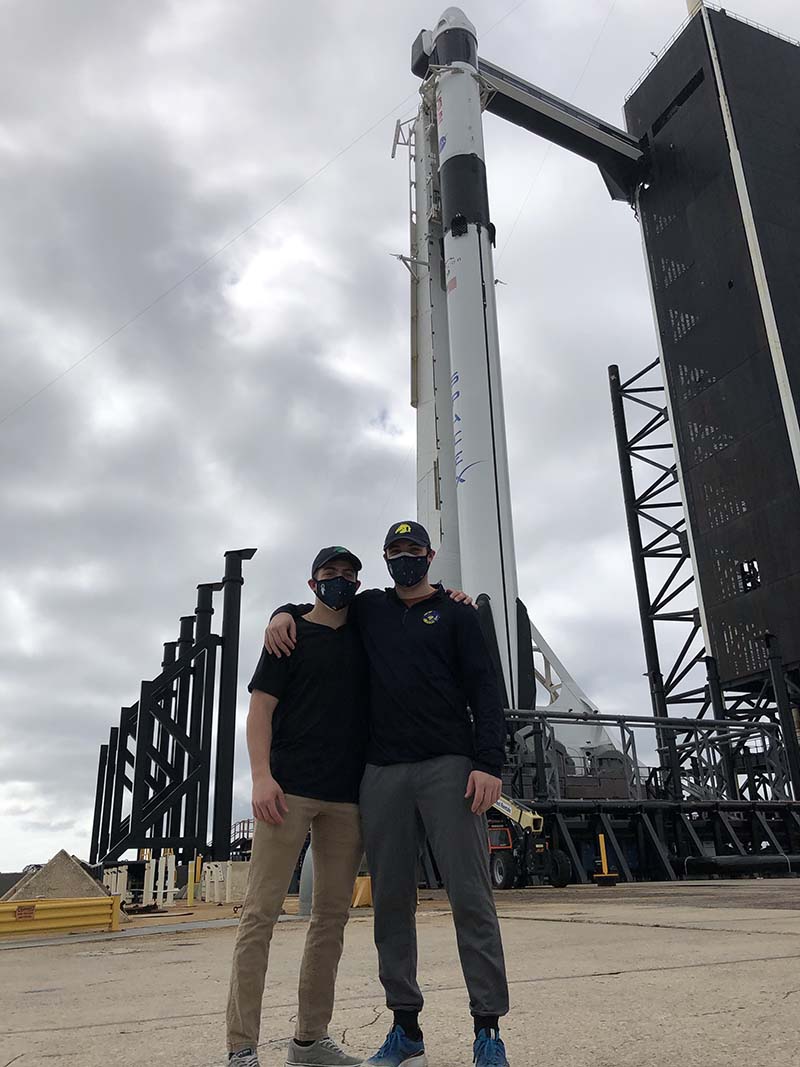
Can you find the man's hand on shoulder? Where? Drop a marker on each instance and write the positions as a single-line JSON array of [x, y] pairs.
[[461, 597], [269, 802], [485, 789], [280, 637]]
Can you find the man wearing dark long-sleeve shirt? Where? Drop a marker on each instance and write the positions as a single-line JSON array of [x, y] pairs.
[[430, 769]]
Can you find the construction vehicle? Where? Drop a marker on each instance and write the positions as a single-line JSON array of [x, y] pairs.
[[519, 852]]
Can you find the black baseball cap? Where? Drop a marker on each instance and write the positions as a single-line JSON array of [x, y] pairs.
[[408, 531], [325, 555]]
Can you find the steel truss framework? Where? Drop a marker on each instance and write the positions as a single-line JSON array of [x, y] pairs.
[[653, 832], [664, 840], [154, 775], [727, 765], [725, 797]]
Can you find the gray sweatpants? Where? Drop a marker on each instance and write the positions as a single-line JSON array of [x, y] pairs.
[[399, 804]]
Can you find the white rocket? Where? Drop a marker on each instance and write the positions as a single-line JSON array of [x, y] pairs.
[[463, 489], [463, 493]]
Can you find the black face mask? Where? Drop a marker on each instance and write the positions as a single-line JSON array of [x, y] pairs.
[[408, 570], [336, 593]]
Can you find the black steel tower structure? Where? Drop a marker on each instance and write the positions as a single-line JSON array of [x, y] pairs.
[[720, 214], [719, 205]]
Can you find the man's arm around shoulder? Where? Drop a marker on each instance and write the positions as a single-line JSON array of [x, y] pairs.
[[280, 636]]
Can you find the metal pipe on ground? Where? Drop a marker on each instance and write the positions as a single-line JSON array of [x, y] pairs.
[[788, 864]]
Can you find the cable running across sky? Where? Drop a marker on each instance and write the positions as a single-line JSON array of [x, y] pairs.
[[232, 240]]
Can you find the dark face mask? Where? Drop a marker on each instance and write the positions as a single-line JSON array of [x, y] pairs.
[[336, 593], [408, 570]]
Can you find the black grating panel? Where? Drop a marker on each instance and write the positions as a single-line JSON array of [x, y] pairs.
[[725, 414], [741, 486], [762, 82]]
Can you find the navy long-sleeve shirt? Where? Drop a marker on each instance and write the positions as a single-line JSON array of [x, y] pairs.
[[429, 668]]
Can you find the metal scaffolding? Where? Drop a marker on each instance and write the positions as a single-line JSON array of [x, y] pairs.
[[726, 764], [154, 775]]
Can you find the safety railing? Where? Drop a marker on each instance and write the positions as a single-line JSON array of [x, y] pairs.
[[24, 918]]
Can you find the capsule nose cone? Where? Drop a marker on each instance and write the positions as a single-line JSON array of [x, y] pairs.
[[453, 18]]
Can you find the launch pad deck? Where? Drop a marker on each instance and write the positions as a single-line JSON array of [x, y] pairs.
[[699, 972]]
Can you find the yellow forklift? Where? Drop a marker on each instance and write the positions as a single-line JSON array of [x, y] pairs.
[[519, 852]]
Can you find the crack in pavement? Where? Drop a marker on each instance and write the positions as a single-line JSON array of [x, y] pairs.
[[722, 1011], [646, 926], [430, 991], [363, 1026]]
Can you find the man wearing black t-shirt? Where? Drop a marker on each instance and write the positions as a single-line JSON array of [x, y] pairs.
[[434, 760], [306, 736]]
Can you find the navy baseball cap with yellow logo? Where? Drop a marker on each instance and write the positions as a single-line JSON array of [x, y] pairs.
[[414, 532], [325, 555]]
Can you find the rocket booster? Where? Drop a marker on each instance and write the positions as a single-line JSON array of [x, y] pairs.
[[430, 359], [485, 532], [462, 477]]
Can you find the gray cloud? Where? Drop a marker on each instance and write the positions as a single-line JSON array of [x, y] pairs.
[[265, 401]]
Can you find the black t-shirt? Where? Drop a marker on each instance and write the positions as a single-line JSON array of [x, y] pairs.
[[433, 688], [319, 728]]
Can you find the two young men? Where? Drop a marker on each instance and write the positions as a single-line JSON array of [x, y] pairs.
[[430, 771]]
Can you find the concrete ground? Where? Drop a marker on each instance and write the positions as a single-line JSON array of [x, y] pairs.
[[704, 974]]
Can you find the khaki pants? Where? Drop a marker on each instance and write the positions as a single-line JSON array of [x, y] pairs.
[[336, 848]]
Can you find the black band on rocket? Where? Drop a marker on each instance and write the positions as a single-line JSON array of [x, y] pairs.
[[464, 195], [456, 46]]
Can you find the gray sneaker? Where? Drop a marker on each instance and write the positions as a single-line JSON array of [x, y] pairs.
[[323, 1053], [245, 1057]]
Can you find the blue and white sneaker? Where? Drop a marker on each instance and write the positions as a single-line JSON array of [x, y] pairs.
[[489, 1050], [398, 1050]]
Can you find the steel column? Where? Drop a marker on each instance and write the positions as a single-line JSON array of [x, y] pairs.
[[608, 830], [719, 709], [790, 743], [665, 741], [565, 839], [654, 676], [203, 613], [658, 845], [126, 718], [176, 824], [98, 805], [105, 822], [226, 724]]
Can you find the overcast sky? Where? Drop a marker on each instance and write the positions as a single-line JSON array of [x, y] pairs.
[[265, 402]]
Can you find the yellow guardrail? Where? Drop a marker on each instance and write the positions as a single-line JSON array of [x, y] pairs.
[[22, 918]]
